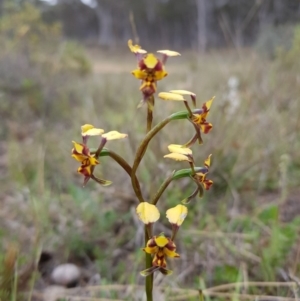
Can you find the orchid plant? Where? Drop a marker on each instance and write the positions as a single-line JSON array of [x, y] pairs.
[[158, 247]]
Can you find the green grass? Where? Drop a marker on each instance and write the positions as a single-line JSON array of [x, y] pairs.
[[235, 233]]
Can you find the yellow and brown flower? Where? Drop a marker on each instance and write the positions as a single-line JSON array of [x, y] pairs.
[[81, 153], [197, 174], [200, 175], [150, 68], [161, 247], [197, 117], [199, 120]]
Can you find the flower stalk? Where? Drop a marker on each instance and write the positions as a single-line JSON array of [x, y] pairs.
[[158, 248], [142, 149]]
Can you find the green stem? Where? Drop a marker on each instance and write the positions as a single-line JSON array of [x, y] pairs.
[[102, 144], [135, 184], [149, 279], [162, 188], [150, 107], [126, 167], [192, 168], [184, 114], [188, 108], [191, 141], [142, 149], [144, 144]]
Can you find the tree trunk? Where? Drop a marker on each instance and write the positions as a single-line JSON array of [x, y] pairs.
[[105, 25], [201, 25]]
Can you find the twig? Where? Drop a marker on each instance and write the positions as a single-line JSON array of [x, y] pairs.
[[219, 234], [251, 283]]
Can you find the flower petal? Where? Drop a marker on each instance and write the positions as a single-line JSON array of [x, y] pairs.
[[158, 75], [183, 92], [102, 181], [151, 270], [170, 96], [147, 213], [177, 214], [135, 48], [90, 130], [207, 183], [112, 135], [170, 253], [207, 161], [78, 147], [150, 250], [150, 61], [165, 271], [169, 52], [161, 241], [79, 157], [92, 161], [86, 170], [139, 74], [179, 149], [206, 127], [208, 104], [178, 157]]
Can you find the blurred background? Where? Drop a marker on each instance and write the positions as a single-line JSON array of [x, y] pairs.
[[64, 63]]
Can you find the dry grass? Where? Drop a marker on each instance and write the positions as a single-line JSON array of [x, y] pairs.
[[234, 234]]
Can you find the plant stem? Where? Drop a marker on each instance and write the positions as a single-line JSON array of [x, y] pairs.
[[162, 188], [150, 107], [148, 262], [151, 132], [191, 141], [126, 167], [148, 257], [188, 108], [102, 144], [142, 149]]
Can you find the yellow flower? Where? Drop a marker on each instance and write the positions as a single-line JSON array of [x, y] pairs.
[[81, 153], [179, 149], [196, 117], [169, 52], [170, 96], [197, 174], [147, 213], [150, 71], [200, 119], [200, 176], [178, 157], [199, 122], [113, 135], [161, 247], [90, 130], [185, 92], [179, 153], [135, 48], [150, 68], [177, 214]]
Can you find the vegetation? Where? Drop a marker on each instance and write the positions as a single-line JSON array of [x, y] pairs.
[[246, 227]]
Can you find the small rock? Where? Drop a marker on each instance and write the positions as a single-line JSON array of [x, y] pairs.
[[67, 274]]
